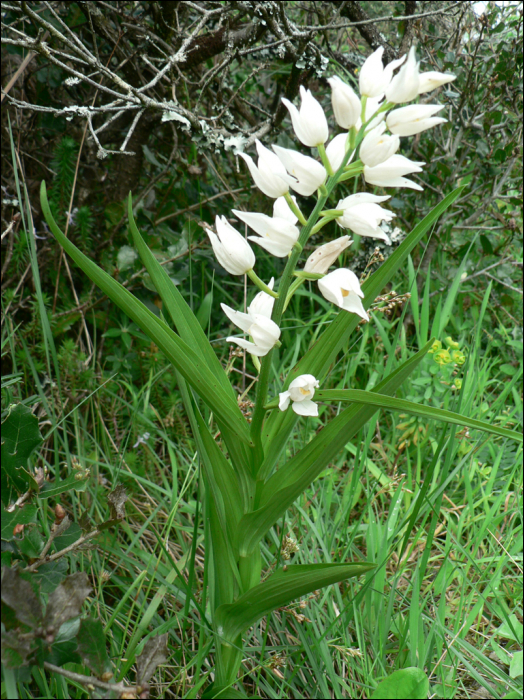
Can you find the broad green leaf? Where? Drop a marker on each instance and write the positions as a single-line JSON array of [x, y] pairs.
[[183, 357], [371, 398], [322, 354], [410, 683], [280, 589], [516, 665], [279, 492], [20, 436]]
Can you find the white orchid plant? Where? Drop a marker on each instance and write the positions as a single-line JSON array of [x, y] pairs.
[[247, 494]]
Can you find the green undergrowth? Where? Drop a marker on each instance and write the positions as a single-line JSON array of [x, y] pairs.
[[437, 508]]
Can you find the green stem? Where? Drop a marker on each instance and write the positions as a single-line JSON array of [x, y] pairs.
[[363, 108], [325, 160], [296, 211], [281, 303], [320, 224], [261, 285]]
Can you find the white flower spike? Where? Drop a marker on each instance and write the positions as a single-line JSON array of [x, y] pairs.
[[276, 235], [362, 214], [300, 392], [377, 146], [373, 77], [282, 210], [391, 172], [263, 330], [232, 250], [432, 80], [404, 86], [266, 175], [346, 104], [310, 124], [262, 303], [323, 257], [305, 174], [336, 150], [411, 120], [342, 288]]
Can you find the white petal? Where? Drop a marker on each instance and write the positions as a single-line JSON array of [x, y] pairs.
[[282, 210], [283, 400], [243, 321], [432, 79], [250, 347], [305, 408], [336, 150], [262, 302]]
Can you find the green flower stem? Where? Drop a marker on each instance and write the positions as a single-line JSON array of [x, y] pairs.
[[296, 211], [325, 161], [296, 284], [305, 275], [324, 192], [316, 228], [332, 213], [363, 108], [280, 304], [261, 285]]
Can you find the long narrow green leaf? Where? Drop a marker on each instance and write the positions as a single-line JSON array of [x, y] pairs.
[[181, 355], [279, 492], [222, 473], [280, 589], [184, 319], [322, 354], [371, 398], [191, 332], [223, 498]]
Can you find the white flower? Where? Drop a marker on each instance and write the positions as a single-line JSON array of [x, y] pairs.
[[377, 146], [232, 250], [346, 104], [413, 119], [433, 79], [336, 150], [266, 175], [404, 86], [307, 173], [373, 77], [323, 257], [300, 391], [263, 330], [276, 235], [362, 214], [310, 124], [282, 210], [390, 173], [262, 303], [342, 288]]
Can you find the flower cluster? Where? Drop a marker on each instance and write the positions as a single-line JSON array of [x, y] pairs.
[[373, 125]]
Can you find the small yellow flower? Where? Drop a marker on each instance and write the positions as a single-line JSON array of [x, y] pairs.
[[436, 346], [458, 357], [442, 357], [452, 343]]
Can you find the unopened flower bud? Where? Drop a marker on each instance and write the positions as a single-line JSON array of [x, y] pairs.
[[323, 257]]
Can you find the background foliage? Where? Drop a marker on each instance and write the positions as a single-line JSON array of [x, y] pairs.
[[106, 402]]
